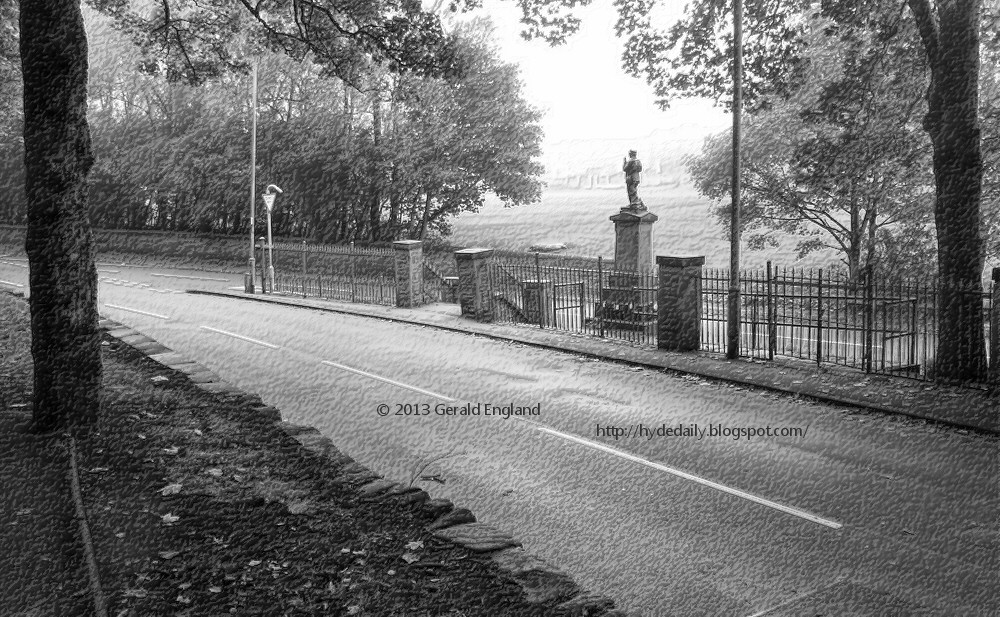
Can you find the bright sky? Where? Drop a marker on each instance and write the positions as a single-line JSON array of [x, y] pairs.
[[582, 86]]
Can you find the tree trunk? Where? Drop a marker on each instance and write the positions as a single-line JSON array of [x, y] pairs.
[[375, 213], [65, 343], [951, 40], [425, 217]]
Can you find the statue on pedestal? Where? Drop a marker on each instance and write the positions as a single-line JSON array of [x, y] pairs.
[[632, 168]]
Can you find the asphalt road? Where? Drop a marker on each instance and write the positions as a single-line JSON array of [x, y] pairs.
[[856, 514]]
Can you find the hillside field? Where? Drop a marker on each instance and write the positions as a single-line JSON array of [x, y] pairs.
[[579, 219]]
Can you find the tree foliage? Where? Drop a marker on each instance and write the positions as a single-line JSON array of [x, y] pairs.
[[185, 41], [396, 160], [693, 58], [842, 162]]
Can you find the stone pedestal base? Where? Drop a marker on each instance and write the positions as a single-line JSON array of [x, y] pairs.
[[634, 240], [626, 305]]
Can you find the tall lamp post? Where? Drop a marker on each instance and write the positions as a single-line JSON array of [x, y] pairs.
[[733, 323], [248, 280], [270, 193]]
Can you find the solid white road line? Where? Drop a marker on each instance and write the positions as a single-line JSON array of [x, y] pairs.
[[182, 276], [132, 310], [398, 384], [240, 336], [12, 284], [687, 476], [619, 453]]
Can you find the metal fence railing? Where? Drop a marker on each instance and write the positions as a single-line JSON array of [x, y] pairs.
[[345, 273], [877, 326], [606, 303], [817, 315]]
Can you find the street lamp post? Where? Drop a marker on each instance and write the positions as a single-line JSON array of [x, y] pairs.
[[270, 193], [248, 283]]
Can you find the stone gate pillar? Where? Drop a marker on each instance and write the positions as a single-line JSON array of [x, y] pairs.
[[409, 269], [475, 291], [678, 299]]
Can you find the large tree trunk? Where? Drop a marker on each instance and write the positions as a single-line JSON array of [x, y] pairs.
[[951, 40], [65, 341]]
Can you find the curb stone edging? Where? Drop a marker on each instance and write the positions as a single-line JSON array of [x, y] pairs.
[[991, 427], [539, 581]]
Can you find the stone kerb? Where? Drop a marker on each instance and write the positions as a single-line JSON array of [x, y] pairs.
[[409, 264], [475, 290], [678, 324]]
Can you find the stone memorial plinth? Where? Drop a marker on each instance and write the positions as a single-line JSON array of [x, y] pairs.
[[634, 240], [628, 300]]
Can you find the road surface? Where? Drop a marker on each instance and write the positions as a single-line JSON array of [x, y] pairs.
[[842, 513]]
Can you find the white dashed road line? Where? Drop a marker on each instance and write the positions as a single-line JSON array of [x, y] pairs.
[[182, 276], [798, 598], [11, 283], [398, 384], [132, 310], [687, 476], [620, 454], [240, 336]]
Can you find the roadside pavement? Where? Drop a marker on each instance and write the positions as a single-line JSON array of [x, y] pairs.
[[966, 408]]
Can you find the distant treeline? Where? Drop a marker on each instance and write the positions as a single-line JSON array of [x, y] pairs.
[[392, 157]]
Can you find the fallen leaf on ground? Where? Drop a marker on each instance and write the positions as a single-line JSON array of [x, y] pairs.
[[168, 554], [170, 489], [214, 472], [172, 450], [415, 545], [169, 519], [410, 557]]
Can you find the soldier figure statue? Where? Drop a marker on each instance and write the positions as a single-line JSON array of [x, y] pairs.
[[632, 166]]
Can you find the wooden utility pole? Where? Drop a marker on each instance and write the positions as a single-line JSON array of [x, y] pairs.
[[733, 321]]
